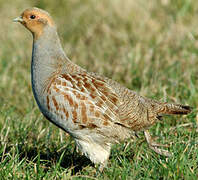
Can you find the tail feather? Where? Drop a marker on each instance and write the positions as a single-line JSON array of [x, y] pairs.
[[168, 108]]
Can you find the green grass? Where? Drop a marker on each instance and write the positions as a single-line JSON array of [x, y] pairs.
[[148, 46]]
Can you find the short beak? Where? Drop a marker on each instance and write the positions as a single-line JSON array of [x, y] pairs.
[[18, 19]]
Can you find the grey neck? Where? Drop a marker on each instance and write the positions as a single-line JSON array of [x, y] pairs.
[[47, 51]]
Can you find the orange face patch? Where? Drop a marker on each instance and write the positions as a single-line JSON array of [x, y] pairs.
[[35, 19]]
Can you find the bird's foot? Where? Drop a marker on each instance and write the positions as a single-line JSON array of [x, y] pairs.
[[100, 167], [154, 146]]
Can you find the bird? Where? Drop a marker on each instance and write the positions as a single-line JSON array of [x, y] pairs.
[[95, 110]]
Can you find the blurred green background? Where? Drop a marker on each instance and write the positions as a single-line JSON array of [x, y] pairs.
[[149, 46]]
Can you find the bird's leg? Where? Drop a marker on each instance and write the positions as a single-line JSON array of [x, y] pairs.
[[78, 150], [151, 141], [154, 146], [102, 166]]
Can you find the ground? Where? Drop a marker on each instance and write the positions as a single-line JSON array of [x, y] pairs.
[[148, 46]]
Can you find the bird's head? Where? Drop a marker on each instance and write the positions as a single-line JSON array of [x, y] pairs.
[[35, 20]]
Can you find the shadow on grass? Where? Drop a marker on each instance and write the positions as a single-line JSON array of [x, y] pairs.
[[47, 158]]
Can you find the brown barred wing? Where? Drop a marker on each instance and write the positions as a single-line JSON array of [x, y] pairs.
[[82, 101]]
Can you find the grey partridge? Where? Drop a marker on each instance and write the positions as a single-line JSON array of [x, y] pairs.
[[96, 111]]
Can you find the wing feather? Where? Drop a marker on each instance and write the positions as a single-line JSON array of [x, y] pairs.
[[85, 101]]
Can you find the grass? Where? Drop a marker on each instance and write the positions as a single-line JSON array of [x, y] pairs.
[[150, 47]]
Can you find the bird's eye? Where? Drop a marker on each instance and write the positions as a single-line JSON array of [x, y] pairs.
[[32, 17]]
